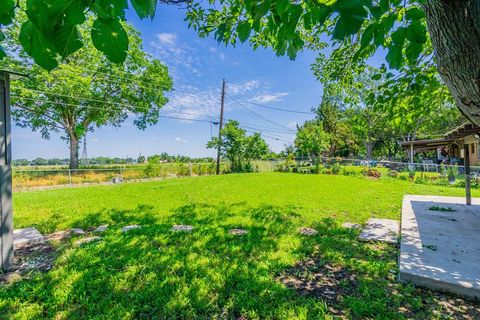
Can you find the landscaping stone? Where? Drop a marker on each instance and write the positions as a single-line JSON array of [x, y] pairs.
[[26, 236], [182, 227], [131, 227], [350, 225], [83, 241], [64, 234], [382, 230], [237, 231], [307, 231], [101, 228]]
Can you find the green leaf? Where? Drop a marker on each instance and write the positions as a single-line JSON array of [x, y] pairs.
[[3, 54], [109, 37], [377, 76], [261, 10], [74, 12], [398, 36], [394, 57], [367, 35], [281, 6], [320, 13], [145, 8], [7, 12], [379, 35], [377, 11], [37, 46], [415, 14], [416, 32], [346, 26], [413, 51], [243, 30], [67, 40], [109, 9]]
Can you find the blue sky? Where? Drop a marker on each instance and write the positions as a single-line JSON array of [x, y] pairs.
[[198, 67]]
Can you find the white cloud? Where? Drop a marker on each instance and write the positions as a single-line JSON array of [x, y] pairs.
[[178, 139], [243, 88], [95, 140], [175, 54], [204, 103], [167, 38], [269, 97]]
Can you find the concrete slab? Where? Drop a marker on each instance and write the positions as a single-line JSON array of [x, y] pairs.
[[182, 227], [440, 247], [101, 228], [83, 241], [27, 236], [237, 232], [131, 227], [383, 230], [307, 231]]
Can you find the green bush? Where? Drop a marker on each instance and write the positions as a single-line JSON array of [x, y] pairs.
[[370, 172], [392, 173]]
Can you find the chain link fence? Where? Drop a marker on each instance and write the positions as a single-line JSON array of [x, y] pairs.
[[427, 173]]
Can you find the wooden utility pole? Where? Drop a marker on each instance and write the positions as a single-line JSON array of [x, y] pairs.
[[467, 174], [220, 126], [6, 212]]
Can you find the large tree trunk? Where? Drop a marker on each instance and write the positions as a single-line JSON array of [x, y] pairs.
[[454, 27], [73, 151]]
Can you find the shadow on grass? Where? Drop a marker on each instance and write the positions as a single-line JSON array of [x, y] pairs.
[[156, 273]]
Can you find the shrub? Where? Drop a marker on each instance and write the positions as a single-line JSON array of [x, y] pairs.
[[336, 168], [411, 174], [370, 172], [393, 173]]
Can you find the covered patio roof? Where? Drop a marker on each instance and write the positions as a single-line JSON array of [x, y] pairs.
[[459, 132], [462, 131], [427, 144]]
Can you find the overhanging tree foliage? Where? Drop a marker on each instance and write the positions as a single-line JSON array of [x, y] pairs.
[[87, 91], [52, 28], [397, 27]]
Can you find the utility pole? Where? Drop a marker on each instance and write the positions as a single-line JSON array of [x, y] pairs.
[[220, 127]]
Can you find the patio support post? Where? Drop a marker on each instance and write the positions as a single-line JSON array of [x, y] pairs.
[[411, 152], [6, 212], [467, 174]]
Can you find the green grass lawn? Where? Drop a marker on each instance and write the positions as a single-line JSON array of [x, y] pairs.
[[153, 273]]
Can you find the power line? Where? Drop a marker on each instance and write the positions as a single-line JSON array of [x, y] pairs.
[[267, 136], [103, 109], [261, 117], [278, 109], [266, 130]]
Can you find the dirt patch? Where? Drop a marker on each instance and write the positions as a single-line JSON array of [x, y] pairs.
[[28, 258], [321, 280]]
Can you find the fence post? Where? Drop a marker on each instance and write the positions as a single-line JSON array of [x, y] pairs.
[[190, 169], [69, 177], [6, 209]]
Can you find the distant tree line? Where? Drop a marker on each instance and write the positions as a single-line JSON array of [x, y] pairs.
[[163, 157]]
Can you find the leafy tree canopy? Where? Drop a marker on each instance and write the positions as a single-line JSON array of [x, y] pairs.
[[87, 91], [239, 148]]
